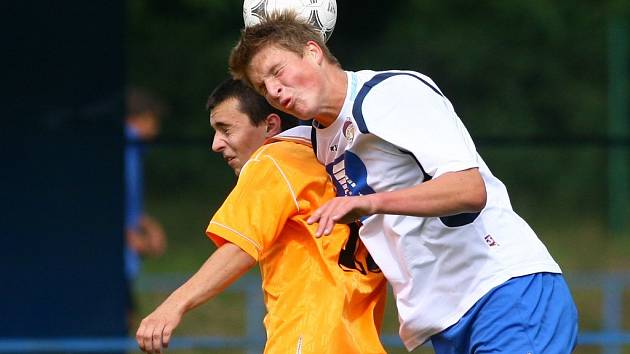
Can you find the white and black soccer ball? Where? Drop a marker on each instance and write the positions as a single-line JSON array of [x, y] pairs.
[[320, 13]]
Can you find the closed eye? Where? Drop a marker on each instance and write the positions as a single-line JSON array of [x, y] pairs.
[[277, 70], [222, 128]]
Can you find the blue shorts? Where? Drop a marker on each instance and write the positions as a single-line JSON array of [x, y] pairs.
[[532, 314]]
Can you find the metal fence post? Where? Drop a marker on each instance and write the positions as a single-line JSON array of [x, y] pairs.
[[255, 312], [613, 299]]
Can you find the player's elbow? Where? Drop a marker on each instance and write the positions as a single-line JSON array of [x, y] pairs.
[[478, 197], [476, 194], [478, 201]]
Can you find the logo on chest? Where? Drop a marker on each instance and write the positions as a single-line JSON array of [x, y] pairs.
[[350, 175]]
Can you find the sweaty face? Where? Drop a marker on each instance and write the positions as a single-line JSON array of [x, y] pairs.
[[287, 80], [235, 137]]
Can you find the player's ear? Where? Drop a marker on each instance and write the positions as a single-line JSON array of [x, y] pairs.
[[274, 125], [313, 50]]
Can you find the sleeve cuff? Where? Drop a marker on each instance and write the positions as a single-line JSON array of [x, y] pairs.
[[221, 234], [454, 167]]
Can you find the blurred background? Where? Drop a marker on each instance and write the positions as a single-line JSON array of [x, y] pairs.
[[542, 87]]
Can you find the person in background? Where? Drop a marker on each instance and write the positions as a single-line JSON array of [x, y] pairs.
[[144, 235]]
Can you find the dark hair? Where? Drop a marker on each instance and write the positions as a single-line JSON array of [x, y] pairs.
[[249, 102], [283, 29], [139, 101]]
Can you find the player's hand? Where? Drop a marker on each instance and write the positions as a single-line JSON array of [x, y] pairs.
[[341, 210], [154, 235], [154, 333]]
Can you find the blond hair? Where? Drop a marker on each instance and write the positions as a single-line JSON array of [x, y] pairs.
[[283, 29]]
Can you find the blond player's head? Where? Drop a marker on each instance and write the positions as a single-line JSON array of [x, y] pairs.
[[284, 30]]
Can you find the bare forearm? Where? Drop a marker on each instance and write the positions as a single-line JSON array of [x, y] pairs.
[[226, 264], [450, 194]]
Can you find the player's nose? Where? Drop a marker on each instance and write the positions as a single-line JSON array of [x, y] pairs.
[[218, 143], [274, 89]]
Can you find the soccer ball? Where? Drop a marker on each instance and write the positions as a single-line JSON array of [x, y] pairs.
[[320, 13]]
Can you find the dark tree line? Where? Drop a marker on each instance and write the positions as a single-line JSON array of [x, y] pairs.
[[513, 70]]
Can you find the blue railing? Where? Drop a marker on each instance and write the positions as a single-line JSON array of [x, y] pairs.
[[611, 338]]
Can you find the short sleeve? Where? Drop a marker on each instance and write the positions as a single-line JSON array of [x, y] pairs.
[[413, 115], [256, 210]]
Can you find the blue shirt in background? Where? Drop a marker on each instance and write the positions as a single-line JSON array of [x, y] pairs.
[[133, 195]]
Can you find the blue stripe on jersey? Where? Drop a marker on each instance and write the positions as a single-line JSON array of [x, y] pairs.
[[357, 108], [356, 173], [459, 219], [353, 85], [451, 220], [425, 175], [314, 140]]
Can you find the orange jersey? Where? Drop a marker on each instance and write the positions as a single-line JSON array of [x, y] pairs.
[[317, 302]]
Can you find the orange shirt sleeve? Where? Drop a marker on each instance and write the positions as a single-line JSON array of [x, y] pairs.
[[256, 210]]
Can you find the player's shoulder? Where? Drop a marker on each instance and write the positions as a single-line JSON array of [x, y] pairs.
[[292, 157], [386, 89], [284, 150], [289, 146], [300, 135], [396, 82], [384, 92]]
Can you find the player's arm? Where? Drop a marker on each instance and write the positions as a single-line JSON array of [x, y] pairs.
[[148, 238], [449, 194], [154, 235], [226, 264], [438, 143]]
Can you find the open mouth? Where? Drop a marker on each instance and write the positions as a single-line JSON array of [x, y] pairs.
[[286, 103]]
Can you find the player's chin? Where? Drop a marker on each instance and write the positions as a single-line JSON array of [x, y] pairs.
[[236, 167], [302, 114], [304, 118]]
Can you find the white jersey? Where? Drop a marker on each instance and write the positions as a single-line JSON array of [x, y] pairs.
[[396, 130]]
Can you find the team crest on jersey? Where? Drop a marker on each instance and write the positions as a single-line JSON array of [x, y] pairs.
[[348, 131]]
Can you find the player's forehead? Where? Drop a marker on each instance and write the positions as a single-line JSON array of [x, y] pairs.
[[266, 58], [227, 113]]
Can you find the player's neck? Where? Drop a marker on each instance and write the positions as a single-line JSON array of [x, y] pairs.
[[335, 95]]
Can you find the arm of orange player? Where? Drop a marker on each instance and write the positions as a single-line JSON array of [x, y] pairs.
[[226, 264]]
